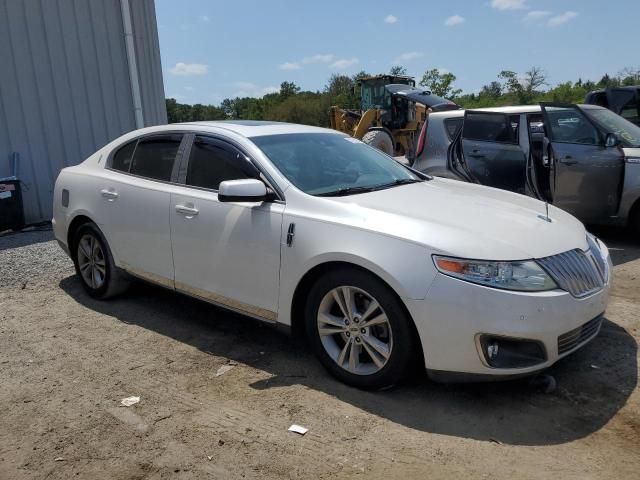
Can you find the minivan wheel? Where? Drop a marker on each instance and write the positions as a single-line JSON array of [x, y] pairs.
[[359, 329], [94, 263]]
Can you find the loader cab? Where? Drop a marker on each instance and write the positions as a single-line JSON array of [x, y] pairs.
[[373, 93]]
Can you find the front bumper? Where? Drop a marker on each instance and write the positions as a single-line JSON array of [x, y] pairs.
[[454, 313]]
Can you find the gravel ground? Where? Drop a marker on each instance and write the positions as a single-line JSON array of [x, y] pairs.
[[66, 362], [31, 257]]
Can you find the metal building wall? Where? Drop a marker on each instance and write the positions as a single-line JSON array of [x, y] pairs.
[[65, 88]]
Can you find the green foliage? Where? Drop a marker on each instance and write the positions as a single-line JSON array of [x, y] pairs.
[[291, 104], [440, 84], [398, 70]]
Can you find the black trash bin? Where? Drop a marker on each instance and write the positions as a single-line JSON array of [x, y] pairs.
[[11, 212]]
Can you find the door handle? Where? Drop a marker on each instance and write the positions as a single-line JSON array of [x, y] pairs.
[[186, 210], [109, 194], [568, 160]]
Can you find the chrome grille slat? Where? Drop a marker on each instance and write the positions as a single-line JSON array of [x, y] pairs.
[[578, 336], [574, 271]]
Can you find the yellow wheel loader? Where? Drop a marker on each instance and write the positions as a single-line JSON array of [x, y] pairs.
[[392, 112]]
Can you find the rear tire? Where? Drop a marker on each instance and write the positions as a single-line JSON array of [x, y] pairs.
[[373, 349], [94, 263], [381, 140]]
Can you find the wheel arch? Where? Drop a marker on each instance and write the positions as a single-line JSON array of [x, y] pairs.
[[313, 274], [79, 220]]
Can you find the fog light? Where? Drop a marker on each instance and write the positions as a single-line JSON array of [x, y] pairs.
[[505, 352]]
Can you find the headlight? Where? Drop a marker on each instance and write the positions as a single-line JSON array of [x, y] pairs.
[[523, 276]]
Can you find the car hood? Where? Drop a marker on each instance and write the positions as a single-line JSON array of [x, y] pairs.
[[466, 220]]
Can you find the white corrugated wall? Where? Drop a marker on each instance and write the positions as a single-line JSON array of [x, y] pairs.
[[65, 88]]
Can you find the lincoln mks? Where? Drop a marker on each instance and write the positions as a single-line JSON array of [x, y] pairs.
[[382, 268]]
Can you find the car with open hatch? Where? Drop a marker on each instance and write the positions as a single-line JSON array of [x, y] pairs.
[[383, 268], [584, 159]]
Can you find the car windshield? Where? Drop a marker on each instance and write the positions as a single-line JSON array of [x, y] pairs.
[[328, 164], [627, 132]]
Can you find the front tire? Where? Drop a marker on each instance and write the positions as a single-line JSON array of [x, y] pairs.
[[359, 329], [94, 263], [381, 140]]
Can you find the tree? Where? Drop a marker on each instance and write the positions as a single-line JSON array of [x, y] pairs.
[[339, 85], [398, 70], [288, 89], [493, 90], [524, 89], [440, 84]]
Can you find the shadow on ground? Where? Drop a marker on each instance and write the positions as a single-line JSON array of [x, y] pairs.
[[593, 384], [622, 245]]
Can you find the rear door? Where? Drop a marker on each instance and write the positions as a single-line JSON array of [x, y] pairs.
[[491, 152], [586, 176]]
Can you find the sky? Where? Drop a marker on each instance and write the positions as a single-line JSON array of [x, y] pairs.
[[216, 49]]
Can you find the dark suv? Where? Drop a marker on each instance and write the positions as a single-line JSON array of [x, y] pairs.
[[625, 101]]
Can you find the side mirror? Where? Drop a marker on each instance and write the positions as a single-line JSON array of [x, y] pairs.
[[247, 190], [611, 140]]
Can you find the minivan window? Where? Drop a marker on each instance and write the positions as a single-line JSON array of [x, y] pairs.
[[154, 157], [122, 159], [569, 125], [627, 132], [487, 127], [211, 162], [453, 126]]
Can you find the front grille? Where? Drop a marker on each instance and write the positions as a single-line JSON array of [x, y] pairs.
[[578, 336], [574, 271]]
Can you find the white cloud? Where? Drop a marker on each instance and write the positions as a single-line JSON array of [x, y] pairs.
[[407, 57], [562, 18], [509, 4], [390, 19], [189, 69], [249, 89], [289, 66], [454, 20], [204, 18], [319, 58], [344, 63], [536, 15]]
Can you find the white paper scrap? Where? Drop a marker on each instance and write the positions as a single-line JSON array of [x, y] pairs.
[[127, 402], [298, 429]]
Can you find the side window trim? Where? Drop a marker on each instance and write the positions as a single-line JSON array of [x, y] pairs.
[[176, 161], [184, 167]]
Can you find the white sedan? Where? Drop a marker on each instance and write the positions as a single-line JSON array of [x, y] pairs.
[[382, 268]]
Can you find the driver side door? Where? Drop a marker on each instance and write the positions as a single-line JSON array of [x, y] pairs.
[[586, 176], [225, 252]]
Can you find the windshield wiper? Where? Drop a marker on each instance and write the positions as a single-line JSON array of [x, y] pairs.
[[346, 191], [371, 188], [399, 181]]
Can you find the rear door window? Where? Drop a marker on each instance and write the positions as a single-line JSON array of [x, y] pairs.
[[488, 127], [154, 156], [212, 162]]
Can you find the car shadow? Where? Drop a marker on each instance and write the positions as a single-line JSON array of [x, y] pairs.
[[592, 384]]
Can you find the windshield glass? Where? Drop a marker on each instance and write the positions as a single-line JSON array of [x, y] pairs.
[[329, 163], [627, 132]]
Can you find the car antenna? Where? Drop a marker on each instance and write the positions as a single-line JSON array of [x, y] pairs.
[[545, 217]]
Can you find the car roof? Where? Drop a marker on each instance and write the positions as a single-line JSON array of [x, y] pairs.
[[510, 109], [257, 128]]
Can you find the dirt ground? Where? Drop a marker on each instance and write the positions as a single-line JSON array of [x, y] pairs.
[[66, 361]]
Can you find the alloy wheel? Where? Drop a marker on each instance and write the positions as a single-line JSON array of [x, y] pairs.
[[91, 261], [354, 330]]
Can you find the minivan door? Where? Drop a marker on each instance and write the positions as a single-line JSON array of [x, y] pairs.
[[586, 175], [491, 150]]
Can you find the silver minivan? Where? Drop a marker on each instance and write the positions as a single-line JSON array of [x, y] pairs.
[[584, 159]]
